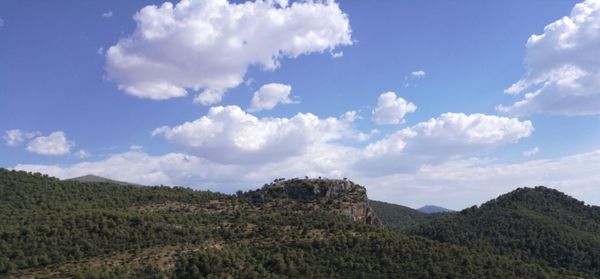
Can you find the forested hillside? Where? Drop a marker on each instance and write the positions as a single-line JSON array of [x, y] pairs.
[[312, 228], [538, 224], [398, 216]]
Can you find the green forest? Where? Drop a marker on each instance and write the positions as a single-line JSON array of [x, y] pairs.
[[297, 228]]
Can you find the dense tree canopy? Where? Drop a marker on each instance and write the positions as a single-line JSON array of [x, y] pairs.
[[53, 228]]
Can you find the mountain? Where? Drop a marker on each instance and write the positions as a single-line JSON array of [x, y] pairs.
[[538, 224], [397, 216], [98, 179], [430, 209], [297, 228]]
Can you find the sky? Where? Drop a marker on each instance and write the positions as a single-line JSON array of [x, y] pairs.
[[423, 102]]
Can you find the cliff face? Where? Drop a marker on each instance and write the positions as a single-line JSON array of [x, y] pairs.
[[342, 197]]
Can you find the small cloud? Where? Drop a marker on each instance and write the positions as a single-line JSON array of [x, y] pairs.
[[362, 137], [269, 95], [16, 136], [418, 74], [531, 152], [414, 75], [1, 22], [249, 81], [338, 54], [107, 14], [350, 116], [391, 109], [100, 51], [82, 154], [54, 144], [136, 147]]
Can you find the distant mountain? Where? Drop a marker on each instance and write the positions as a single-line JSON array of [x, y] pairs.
[[540, 224], [98, 179], [397, 216], [429, 209]]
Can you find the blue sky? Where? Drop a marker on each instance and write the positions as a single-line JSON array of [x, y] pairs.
[[73, 100]]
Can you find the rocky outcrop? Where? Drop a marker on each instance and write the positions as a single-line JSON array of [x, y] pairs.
[[342, 197]]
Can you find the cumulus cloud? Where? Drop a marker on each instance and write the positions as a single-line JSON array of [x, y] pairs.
[[439, 139], [15, 137], [107, 14], [230, 135], [269, 95], [54, 144], [563, 67], [531, 152], [209, 45], [391, 109]]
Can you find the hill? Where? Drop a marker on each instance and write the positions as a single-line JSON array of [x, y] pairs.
[[430, 209], [289, 228], [98, 179], [538, 224]]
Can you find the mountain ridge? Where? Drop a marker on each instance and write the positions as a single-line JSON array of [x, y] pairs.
[[99, 179]]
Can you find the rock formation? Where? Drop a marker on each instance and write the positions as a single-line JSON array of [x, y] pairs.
[[342, 197]]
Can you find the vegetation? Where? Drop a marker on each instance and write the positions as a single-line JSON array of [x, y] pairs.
[[290, 228], [539, 225], [398, 216]]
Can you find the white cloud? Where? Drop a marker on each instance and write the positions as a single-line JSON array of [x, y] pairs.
[[531, 152], [338, 54], [54, 144], [136, 147], [269, 95], [391, 109], [82, 154], [418, 74], [15, 137], [362, 137], [455, 184], [107, 14], [138, 167], [350, 116], [563, 67], [439, 139], [230, 135], [462, 183], [209, 45]]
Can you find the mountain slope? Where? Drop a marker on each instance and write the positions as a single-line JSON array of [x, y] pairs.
[[297, 228], [98, 179], [535, 224], [429, 209], [397, 216]]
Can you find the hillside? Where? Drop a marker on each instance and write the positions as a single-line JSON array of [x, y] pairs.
[[430, 209], [535, 224], [98, 179], [397, 216], [290, 228]]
